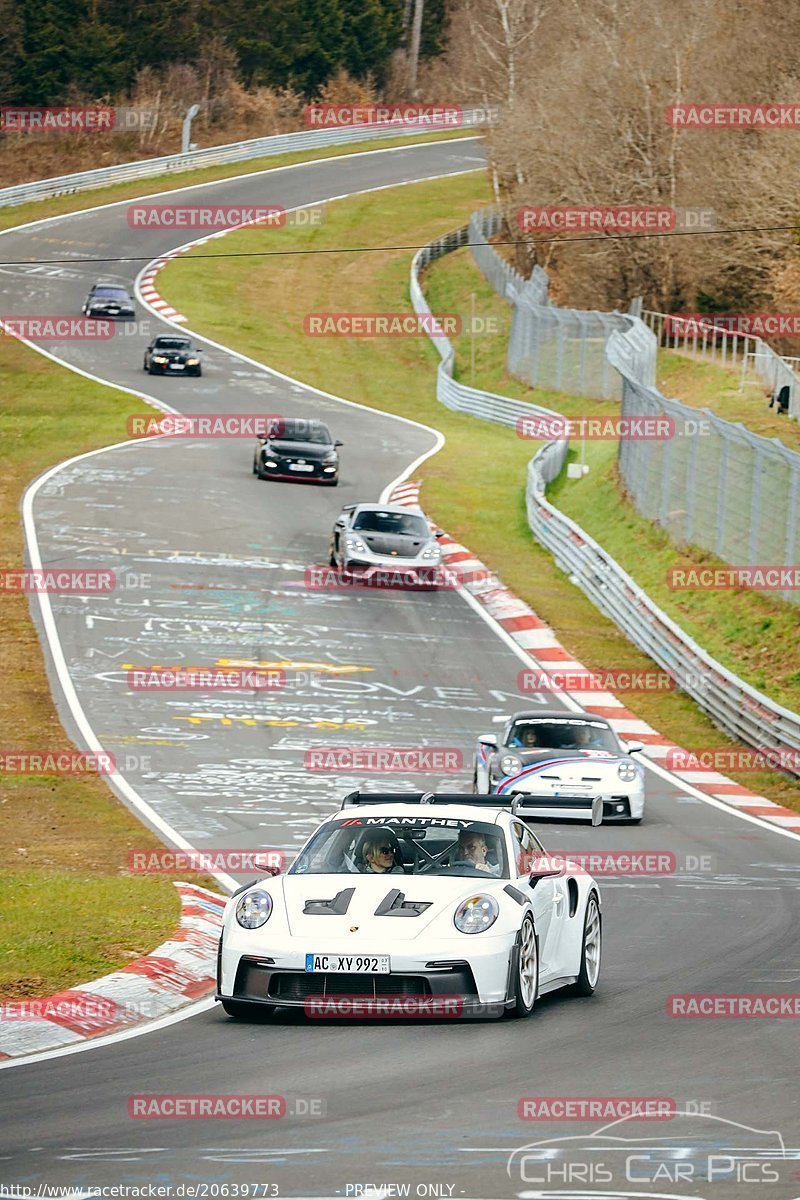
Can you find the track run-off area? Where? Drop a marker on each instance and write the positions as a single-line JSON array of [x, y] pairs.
[[214, 562]]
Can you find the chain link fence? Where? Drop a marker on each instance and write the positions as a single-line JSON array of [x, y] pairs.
[[747, 354], [734, 705], [549, 347]]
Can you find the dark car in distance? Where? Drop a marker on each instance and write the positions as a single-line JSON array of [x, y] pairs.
[[171, 355], [298, 449], [109, 300]]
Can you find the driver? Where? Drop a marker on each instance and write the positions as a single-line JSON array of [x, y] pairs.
[[472, 849], [529, 739], [379, 854]]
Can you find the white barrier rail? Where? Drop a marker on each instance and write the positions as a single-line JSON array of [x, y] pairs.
[[279, 143]]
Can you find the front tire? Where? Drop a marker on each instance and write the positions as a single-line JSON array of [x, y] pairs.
[[591, 950], [242, 1011], [527, 970]]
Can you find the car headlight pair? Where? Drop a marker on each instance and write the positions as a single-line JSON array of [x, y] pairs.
[[628, 772], [355, 543], [476, 914], [433, 550], [254, 909]]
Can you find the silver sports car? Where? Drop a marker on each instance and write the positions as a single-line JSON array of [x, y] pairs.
[[370, 539]]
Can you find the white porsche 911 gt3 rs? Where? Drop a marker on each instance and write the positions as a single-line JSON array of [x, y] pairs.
[[413, 897]]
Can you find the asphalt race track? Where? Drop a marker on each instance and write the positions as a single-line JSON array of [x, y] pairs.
[[213, 565]]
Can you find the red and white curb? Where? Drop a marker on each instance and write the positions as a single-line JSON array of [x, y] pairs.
[[545, 651], [147, 288], [151, 294], [177, 973]]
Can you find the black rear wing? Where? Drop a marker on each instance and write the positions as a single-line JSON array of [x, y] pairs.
[[352, 799], [560, 808]]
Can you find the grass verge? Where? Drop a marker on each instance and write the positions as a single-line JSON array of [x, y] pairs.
[[475, 486], [704, 384]]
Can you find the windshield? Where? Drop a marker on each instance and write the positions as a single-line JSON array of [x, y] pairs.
[[166, 343], [406, 846], [569, 734], [111, 293], [377, 521], [303, 431]]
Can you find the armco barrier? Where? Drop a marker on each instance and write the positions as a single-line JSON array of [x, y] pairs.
[[734, 705], [279, 143]]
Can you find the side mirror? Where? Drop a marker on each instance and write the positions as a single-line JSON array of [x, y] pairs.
[[597, 811], [272, 870], [635, 747], [438, 533], [488, 739], [337, 443]]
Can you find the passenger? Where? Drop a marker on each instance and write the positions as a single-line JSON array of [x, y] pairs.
[[380, 854]]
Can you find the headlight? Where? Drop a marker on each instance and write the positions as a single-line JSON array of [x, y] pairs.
[[476, 914], [330, 458], [628, 772], [355, 543], [432, 551], [192, 362], [254, 910], [159, 358], [510, 764], [268, 451]]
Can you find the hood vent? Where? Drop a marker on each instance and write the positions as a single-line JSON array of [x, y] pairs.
[[336, 907], [394, 904]]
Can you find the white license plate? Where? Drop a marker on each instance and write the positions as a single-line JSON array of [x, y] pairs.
[[349, 964], [176, 366], [301, 467], [113, 312]]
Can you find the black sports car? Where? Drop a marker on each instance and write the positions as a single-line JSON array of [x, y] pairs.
[[170, 355], [109, 300], [299, 449]]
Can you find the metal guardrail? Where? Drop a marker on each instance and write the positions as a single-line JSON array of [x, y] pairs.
[[739, 709], [279, 143]]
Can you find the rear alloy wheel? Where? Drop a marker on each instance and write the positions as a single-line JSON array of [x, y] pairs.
[[592, 949], [527, 970], [247, 1012]]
